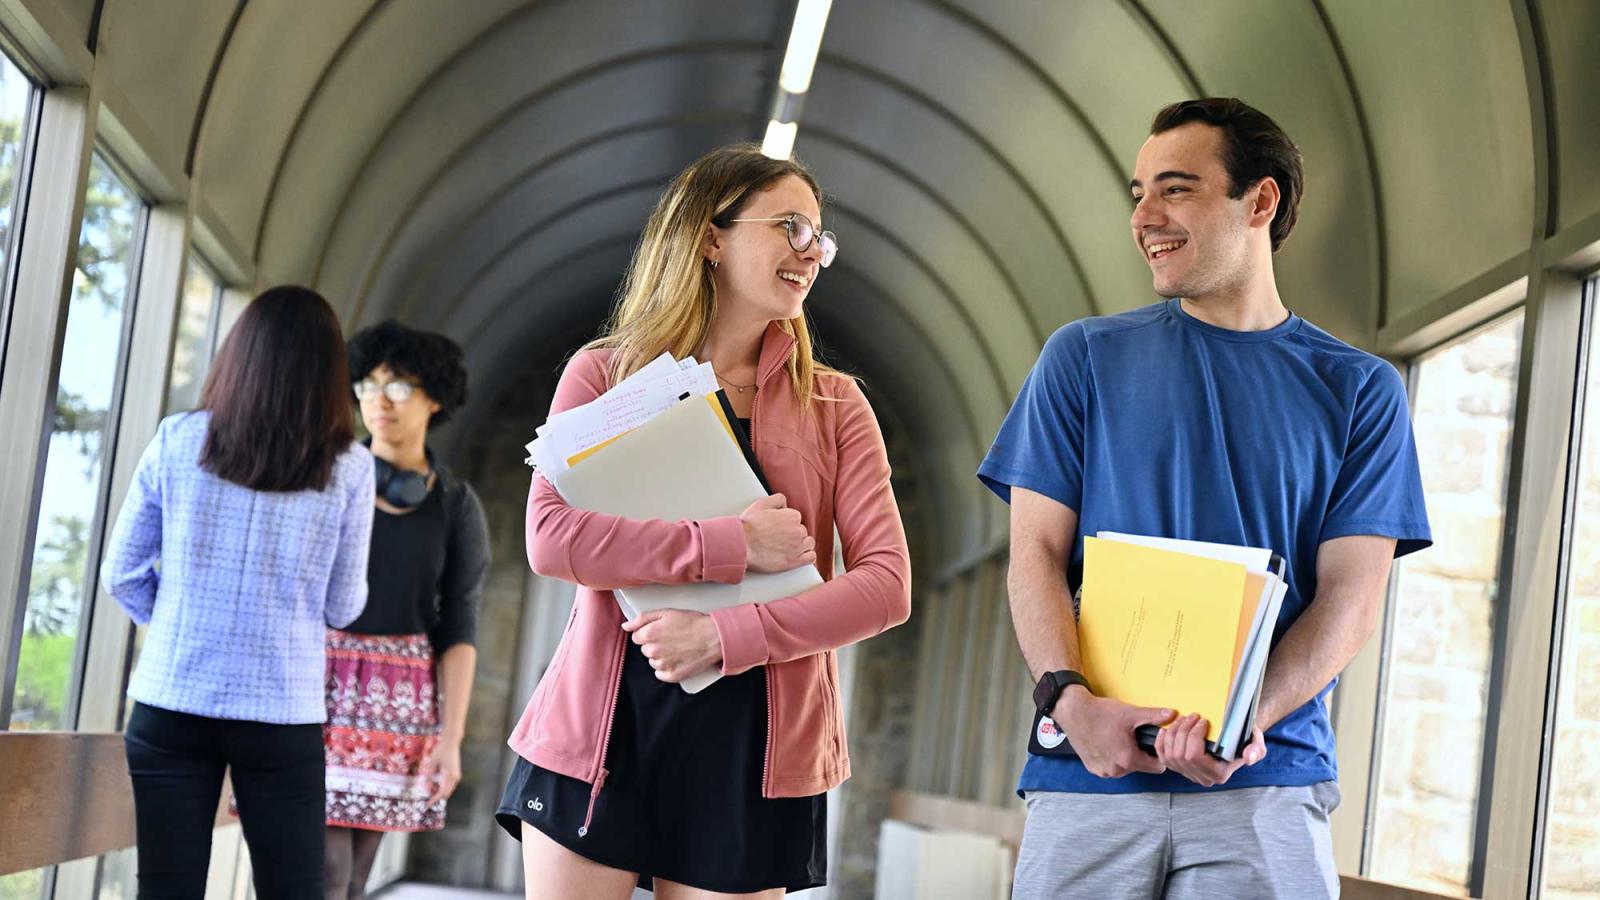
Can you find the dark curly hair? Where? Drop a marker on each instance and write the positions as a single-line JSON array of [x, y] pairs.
[[432, 359]]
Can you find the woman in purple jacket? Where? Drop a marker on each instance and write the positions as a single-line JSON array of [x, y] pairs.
[[243, 537]]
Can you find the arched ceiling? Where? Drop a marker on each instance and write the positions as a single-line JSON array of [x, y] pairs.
[[483, 168]]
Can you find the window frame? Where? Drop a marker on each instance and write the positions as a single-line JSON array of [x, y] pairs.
[[29, 141], [1411, 367], [1589, 298], [98, 525]]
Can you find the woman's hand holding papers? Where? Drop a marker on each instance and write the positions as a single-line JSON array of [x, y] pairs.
[[775, 538], [1182, 748], [678, 643], [1101, 730]]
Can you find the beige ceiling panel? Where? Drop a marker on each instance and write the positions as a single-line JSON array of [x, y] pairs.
[[278, 52], [403, 46], [1099, 54], [160, 54], [1447, 105], [998, 97], [1572, 34]]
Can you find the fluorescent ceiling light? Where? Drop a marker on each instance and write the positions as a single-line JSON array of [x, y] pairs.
[[779, 142], [810, 16]]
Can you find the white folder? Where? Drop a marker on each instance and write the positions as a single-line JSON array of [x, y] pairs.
[[682, 464]]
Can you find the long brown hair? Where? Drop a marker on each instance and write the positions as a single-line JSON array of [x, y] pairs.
[[278, 395], [668, 298]]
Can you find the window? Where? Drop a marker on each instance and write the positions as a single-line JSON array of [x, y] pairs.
[[119, 874], [72, 505], [18, 105], [1436, 668], [27, 885], [197, 322], [1572, 837]]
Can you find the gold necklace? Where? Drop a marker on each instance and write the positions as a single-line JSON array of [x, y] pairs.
[[741, 388]]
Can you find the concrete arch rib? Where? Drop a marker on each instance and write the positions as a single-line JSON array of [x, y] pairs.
[[470, 295], [1003, 104], [538, 41], [1158, 35], [916, 96], [613, 68], [350, 39], [640, 193], [653, 142]]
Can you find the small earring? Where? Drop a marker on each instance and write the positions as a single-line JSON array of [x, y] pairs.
[[714, 265]]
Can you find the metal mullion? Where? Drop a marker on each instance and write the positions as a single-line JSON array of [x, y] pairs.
[[1563, 585], [1537, 493], [19, 211], [63, 150]]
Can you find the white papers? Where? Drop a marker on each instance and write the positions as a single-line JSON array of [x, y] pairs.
[[659, 446], [629, 404], [679, 465]]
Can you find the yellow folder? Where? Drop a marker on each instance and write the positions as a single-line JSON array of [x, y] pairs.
[[1161, 628]]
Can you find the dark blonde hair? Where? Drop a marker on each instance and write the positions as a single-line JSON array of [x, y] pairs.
[[669, 297]]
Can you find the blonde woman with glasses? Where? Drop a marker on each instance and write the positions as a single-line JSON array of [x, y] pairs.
[[623, 778]]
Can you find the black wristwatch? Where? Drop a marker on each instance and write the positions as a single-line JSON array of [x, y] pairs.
[[1050, 686]]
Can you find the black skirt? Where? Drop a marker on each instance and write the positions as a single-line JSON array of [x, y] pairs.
[[682, 800]]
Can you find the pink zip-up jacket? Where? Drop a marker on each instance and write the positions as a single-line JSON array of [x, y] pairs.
[[831, 465]]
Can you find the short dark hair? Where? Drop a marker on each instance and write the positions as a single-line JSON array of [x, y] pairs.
[[432, 359], [1253, 148], [277, 397]]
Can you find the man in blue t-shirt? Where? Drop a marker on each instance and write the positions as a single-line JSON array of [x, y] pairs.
[[1217, 415]]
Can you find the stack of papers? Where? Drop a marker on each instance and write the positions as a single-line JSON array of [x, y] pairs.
[[1181, 624], [661, 444], [566, 436]]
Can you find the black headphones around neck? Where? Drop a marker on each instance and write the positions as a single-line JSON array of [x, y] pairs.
[[400, 488]]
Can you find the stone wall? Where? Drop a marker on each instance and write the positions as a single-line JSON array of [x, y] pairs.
[[1437, 676]]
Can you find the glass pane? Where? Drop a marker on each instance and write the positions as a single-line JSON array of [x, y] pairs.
[[27, 885], [119, 875], [16, 91], [74, 463], [1572, 835], [191, 356], [1436, 681]]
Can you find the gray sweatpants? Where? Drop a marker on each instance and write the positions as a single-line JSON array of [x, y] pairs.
[[1262, 842]]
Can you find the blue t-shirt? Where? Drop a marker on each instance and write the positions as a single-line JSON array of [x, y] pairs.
[[1154, 422]]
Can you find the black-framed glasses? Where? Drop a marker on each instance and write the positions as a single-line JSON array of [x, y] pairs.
[[397, 391], [802, 233]]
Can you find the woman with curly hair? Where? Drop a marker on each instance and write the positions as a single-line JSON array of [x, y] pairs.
[[400, 676]]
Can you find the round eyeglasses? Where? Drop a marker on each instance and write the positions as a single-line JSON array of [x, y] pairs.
[[802, 233], [397, 391]]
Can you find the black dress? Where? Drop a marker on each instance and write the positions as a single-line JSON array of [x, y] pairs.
[[682, 800]]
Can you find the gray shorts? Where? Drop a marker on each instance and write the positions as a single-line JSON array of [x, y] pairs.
[[1261, 842]]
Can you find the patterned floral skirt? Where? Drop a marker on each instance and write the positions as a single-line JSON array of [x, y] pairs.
[[383, 719]]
